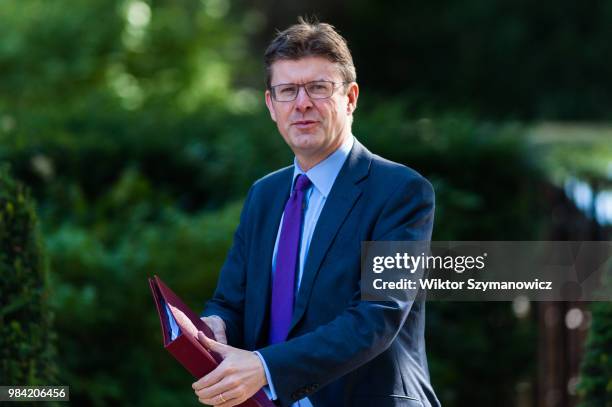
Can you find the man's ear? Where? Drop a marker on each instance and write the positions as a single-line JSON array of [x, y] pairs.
[[270, 105], [352, 94]]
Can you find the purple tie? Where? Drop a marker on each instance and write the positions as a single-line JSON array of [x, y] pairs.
[[287, 260]]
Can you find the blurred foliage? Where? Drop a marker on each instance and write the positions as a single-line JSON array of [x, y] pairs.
[[139, 129], [178, 53], [26, 338], [480, 170], [112, 348], [595, 385], [573, 150], [503, 59]]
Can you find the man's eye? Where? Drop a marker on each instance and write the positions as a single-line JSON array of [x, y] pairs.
[[319, 89], [287, 90]]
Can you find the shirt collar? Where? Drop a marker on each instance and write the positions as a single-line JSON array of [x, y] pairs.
[[324, 173]]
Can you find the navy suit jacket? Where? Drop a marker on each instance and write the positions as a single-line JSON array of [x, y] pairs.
[[340, 351]]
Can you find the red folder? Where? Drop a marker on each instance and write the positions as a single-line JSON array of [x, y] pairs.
[[185, 347]]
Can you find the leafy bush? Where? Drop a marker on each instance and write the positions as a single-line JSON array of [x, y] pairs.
[[112, 348], [596, 373], [26, 337]]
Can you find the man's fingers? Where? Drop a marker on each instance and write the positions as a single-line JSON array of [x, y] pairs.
[[208, 380], [220, 336], [228, 388], [221, 371], [210, 392], [213, 345], [231, 403], [219, 333], [217, 402], [227, 398], [217, 325]]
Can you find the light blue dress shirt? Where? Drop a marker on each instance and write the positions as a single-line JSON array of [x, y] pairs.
[[323, 175]]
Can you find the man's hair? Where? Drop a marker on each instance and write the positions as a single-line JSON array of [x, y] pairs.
[[310, 39]]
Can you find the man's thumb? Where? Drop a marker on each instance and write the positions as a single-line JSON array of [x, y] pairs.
[[211, 344]]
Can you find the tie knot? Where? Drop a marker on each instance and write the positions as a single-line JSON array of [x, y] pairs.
[[302, 183]]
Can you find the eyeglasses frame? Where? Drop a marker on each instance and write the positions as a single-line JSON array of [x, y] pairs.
[[303, 85]]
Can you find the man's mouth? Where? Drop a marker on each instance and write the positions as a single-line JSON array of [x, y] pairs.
[[304, 123]]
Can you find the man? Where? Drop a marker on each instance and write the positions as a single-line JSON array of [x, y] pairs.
[[289, 291]]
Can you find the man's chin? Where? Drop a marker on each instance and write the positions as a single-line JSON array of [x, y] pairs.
[[305, 140]]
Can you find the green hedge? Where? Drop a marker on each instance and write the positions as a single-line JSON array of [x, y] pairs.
[[26, 337], [595, 385], [112, 346]]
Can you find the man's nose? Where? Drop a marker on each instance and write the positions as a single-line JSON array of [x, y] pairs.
[[302, 100]]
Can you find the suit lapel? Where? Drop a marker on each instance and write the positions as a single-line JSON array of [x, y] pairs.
[[343, 196]]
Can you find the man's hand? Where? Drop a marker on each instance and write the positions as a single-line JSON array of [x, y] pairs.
[[238, 377], [216, 325]]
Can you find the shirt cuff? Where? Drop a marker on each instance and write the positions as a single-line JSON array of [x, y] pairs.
[[269, 388]]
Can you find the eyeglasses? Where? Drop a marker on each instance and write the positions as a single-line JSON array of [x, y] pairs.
[[287, 92]]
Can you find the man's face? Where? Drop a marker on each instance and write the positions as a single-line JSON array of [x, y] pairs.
[[313, 128]]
